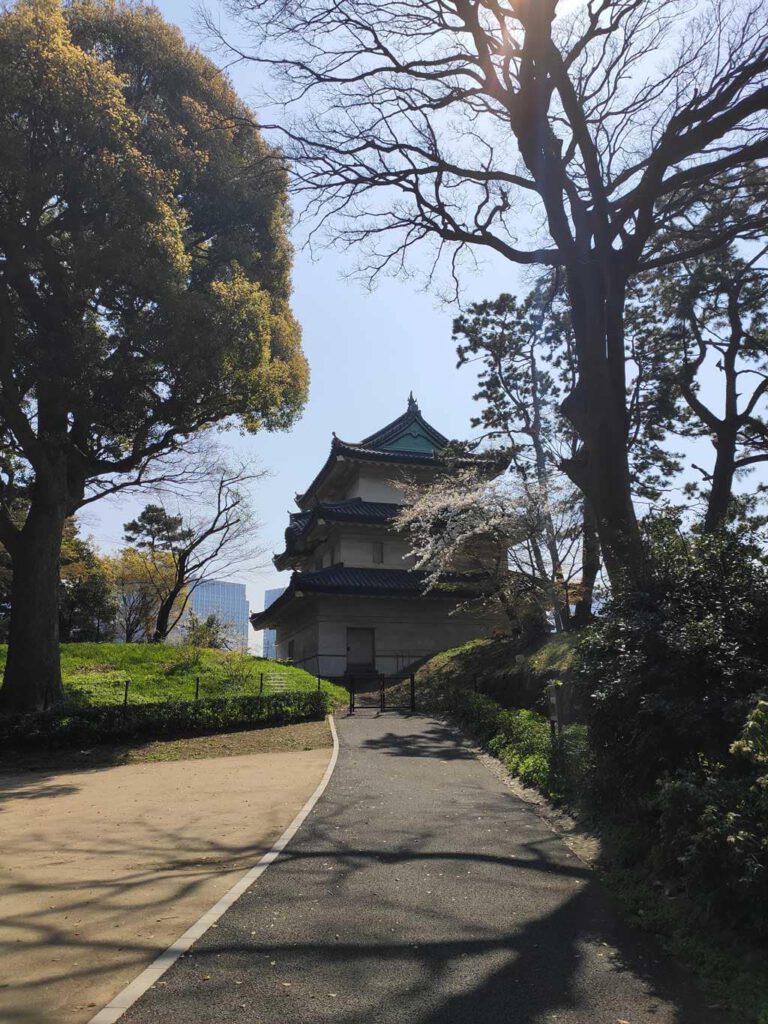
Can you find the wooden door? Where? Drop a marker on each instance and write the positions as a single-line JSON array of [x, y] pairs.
[[361, 651]]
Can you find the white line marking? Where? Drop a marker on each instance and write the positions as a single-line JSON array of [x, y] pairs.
[[123, 1000]]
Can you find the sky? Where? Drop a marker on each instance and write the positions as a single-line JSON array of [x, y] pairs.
[[366, 349]]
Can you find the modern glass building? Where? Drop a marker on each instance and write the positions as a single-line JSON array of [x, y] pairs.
[[227, 601], [269, 636]]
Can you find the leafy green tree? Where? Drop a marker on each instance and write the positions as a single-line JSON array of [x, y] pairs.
[[670, 673], [155, 529], [144, 280], [207, 632], [135, 585], [87, 607]]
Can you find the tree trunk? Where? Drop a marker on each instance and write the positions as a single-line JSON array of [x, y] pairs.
[[597, 409], [163, 620], [601, 472], [722, 482], [32, 678], [590, 567]]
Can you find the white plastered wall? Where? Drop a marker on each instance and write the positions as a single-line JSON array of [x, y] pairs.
[[371, 486], [302, 630], [405, 629], [356, 550]]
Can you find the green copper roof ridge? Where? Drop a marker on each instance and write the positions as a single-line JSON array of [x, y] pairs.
[[382, 439]]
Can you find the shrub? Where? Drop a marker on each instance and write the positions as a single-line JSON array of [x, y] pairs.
[[527, 732], [670, 673], [475, 711], [520, 738], [679, 734], [713, 830], [535, 770], [83, 725]]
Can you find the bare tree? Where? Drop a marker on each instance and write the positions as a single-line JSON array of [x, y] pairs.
[[576, 140], [217, 539]]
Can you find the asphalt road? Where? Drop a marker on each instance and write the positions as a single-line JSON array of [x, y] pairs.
[[421, 891]]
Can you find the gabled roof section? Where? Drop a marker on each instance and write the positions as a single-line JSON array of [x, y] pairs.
[[351, 510], [408, 433], [407, 441], [343, 581]]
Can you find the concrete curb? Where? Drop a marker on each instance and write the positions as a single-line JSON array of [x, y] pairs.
[[132, 992]]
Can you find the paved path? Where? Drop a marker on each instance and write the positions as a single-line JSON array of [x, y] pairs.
[[420, 891]]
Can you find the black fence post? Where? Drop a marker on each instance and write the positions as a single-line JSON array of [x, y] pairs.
[[318, 682], [125, 695], [351, 685], [197, 688], [382, 699], [413, 692], [261, 684]]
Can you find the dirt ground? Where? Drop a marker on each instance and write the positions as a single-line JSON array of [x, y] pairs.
[[302, 736], [101, 869]]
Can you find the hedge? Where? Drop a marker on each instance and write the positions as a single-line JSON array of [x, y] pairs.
[[78, 726], [521, 739]]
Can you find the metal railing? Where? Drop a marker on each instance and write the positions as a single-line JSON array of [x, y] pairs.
[[382, 693]]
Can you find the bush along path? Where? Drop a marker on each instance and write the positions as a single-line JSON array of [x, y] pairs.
[[64, 727], [732, 963], [420, 889]]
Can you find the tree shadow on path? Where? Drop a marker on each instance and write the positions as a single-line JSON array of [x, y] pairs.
[[436, 740]]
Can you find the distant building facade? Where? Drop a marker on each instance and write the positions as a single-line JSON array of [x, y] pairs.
[[269, 636], [225, 600], [354, 603]]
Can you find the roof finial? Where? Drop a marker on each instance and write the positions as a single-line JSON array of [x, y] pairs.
[[413, 405]]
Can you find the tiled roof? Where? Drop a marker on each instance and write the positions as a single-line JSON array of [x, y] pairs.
[[344, 580], [344, 449], [298, 520], [407, 440], [368, 451], [351, 510], [351, 580], [356, 508]]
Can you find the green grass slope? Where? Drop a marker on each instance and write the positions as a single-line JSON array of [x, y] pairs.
[[497, 668], [97, 673]]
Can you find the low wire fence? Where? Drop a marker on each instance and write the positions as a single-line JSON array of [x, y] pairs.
[[260, 684]]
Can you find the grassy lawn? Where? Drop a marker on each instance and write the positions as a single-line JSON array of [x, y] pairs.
[[97, 673]]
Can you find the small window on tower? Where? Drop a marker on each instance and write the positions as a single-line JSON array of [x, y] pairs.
[[378, 552]]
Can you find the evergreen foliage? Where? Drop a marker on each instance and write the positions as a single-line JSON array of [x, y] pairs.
[[144, 279], [670, 673]]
